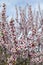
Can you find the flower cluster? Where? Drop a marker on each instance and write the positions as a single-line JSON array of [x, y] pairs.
[[21, 38]]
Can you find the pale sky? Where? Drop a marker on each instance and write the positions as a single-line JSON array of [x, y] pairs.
[[11, 4]]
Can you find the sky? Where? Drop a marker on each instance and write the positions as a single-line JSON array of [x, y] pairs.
[[10, 5]]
